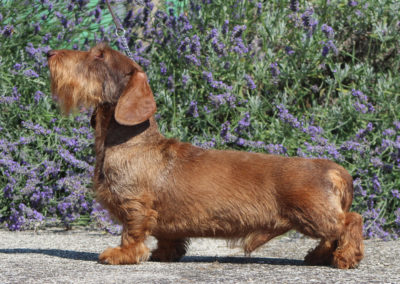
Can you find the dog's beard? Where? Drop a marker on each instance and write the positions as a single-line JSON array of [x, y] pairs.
[[73, 93]]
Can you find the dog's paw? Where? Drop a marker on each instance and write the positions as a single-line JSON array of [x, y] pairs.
[[124, 255], [113, 256], [160, 255]]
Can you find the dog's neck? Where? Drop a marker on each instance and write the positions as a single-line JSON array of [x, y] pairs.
[[110, 133]]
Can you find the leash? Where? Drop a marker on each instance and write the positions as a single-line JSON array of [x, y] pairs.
[[120, 31]]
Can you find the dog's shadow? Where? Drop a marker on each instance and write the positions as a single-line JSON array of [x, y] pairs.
[[68, 254], [90, 256], [242, 260]]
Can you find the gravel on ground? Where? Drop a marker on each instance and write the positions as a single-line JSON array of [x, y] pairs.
[[58, 256]]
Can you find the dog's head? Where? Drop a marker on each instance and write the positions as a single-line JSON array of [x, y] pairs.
[[101, 75]]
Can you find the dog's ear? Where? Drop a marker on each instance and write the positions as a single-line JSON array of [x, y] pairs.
[[136, 103]]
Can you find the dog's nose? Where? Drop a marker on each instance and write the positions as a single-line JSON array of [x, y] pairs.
[[51, 53]]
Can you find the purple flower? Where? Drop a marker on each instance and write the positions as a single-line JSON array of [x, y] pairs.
[[222, 99], [360, 107], [277, 149], [7, 31], [212, 34], [185, 79], [225, 128], [397, 124], [187, 26], [243, 124], [388, 132], [36, 28], [329, 46], [376, 162], [31, 73], [328, 31], [15, 221], [46, 38], [163, 68], [208, 76], [97, 14], [36, 128], [250, 83], [128, 18], [17, 66], [103, 219], [359, 13], [218, 47], [205, 145], [294, 5], [376, 184], [227, 65], [38, 96], [289, 50], [63, 19], [240, 142], [237, 31], [192, 59], [141, 60], [225, 27], [72, 160], [31, 50], [195, 46], [363, 132], [395, 193], [358, 189], [273, 67], [171, 83], [306, 17], [352, 3], [313, 130], [360, 95], [240, 48], [286, 117], [193, 109], [373, 224], [259, 8]]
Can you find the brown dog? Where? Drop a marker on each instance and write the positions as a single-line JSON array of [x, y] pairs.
[[175, 191]]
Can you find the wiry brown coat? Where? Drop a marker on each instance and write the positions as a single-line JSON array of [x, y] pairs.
[[175, 191]]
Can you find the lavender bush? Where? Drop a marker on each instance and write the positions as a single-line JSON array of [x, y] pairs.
[[308, 78]]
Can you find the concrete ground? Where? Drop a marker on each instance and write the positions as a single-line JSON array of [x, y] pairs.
[[57, 256]]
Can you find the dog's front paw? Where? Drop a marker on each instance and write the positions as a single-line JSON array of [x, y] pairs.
[[125, 255]]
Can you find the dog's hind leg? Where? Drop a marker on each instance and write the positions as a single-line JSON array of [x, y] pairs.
[[170, 250], [322, 254], [138, 219], [350, 248], [341, 241]]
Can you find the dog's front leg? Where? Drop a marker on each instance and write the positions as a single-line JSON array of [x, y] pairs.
[[138, 219], [169, 250]]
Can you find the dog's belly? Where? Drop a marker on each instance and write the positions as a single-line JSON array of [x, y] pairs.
[[221, 219]]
